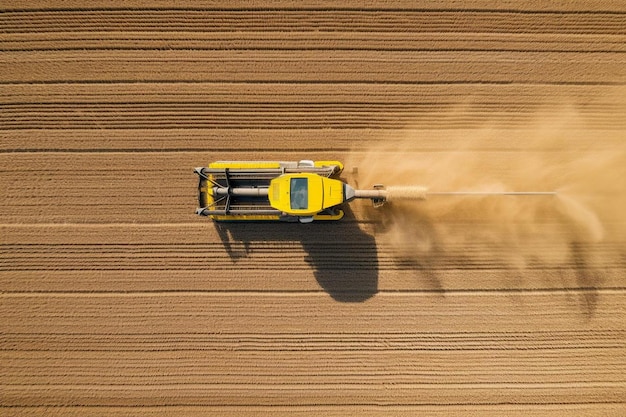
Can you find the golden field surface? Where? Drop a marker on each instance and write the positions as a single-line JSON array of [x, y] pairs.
[[116, 299]]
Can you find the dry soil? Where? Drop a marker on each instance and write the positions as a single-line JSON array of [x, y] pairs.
[[116, 299]]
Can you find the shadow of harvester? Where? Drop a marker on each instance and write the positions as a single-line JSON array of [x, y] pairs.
[[344, 259]]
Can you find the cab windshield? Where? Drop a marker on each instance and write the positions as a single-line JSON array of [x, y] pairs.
[[299, 193]]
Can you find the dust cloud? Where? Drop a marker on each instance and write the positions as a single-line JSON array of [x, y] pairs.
[[585, 167]]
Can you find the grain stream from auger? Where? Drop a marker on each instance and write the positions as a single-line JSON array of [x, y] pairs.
[[584, 210], [116, 299]]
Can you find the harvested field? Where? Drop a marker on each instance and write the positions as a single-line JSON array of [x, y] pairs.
[[116, 299]]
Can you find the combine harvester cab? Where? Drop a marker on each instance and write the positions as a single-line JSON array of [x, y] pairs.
[[301, 191]]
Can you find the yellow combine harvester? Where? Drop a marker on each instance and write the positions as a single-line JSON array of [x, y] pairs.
[[290, 191], [295, 191]]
